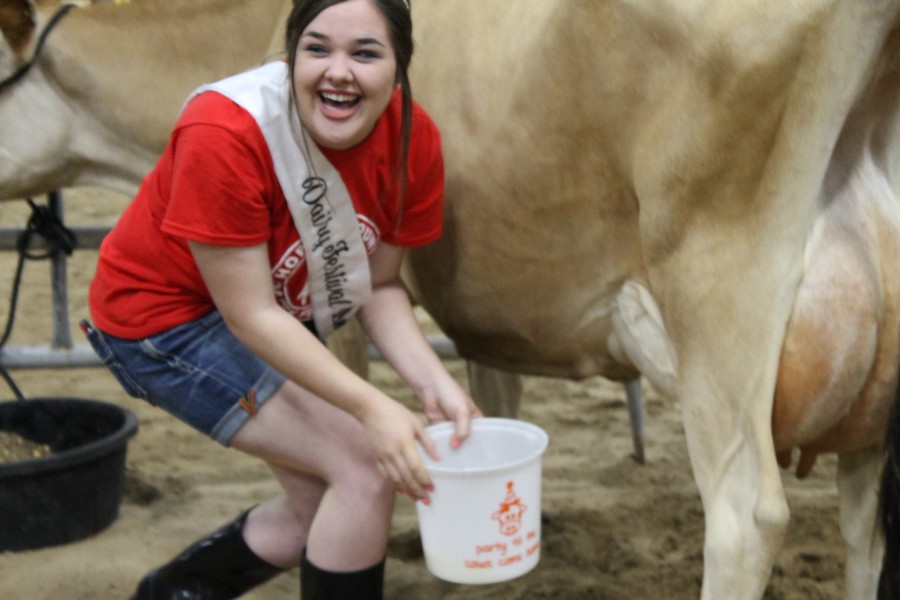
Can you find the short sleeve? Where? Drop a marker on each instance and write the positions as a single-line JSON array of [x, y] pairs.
[[219, 183]]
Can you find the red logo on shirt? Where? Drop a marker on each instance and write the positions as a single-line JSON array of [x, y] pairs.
[[289, 275], [369, 233]]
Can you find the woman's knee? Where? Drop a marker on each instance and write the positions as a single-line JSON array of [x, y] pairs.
[[368, 482], [360, 469]]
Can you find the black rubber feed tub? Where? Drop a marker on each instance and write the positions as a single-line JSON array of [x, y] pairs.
[[76, 491]]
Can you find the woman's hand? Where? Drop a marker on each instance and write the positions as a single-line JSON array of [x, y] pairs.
[[445, 400], [393, 431]]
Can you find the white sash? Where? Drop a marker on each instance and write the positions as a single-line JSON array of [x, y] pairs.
[[323, 213]]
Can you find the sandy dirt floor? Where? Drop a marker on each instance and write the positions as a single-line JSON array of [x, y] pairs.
[[613, 529]]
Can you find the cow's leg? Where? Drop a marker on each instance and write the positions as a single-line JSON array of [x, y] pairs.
[[497, 393], [858, 477], [743, 498], [351, 346]]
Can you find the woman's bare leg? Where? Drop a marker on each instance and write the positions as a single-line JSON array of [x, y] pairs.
[[300, 436]]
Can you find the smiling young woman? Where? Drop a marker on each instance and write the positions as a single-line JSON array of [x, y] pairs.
[[279, 210]]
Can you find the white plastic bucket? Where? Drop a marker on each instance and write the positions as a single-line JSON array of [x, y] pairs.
[[483, 524]]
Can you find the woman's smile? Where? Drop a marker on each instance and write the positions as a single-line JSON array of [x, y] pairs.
[[338, 105]]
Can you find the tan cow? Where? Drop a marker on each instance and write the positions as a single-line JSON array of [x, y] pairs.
[[705, 192], [716, 161]]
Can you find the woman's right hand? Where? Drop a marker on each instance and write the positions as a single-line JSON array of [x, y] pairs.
[[393, 431]]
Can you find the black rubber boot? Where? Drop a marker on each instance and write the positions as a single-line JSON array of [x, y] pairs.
[[218, 567], [318, 584]]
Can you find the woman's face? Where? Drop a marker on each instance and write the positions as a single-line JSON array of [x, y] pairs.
[[344, 73]]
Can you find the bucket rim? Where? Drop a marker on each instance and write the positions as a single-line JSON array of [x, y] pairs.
[[487, 423], [88, 452]]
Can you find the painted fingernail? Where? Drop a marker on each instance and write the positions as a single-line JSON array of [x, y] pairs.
[[454, 444], [426, 501], [430, 488]]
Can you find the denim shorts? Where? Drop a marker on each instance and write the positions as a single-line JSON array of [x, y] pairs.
[[198, 372]]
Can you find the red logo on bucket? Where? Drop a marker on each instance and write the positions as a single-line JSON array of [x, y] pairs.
[[510, 514]]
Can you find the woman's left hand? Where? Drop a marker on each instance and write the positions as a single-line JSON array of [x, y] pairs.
[[446, 401]]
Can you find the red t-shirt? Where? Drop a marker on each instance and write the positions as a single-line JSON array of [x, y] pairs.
[[216, 184]]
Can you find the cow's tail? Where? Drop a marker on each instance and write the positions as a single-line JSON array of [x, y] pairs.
[[889, 508]]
